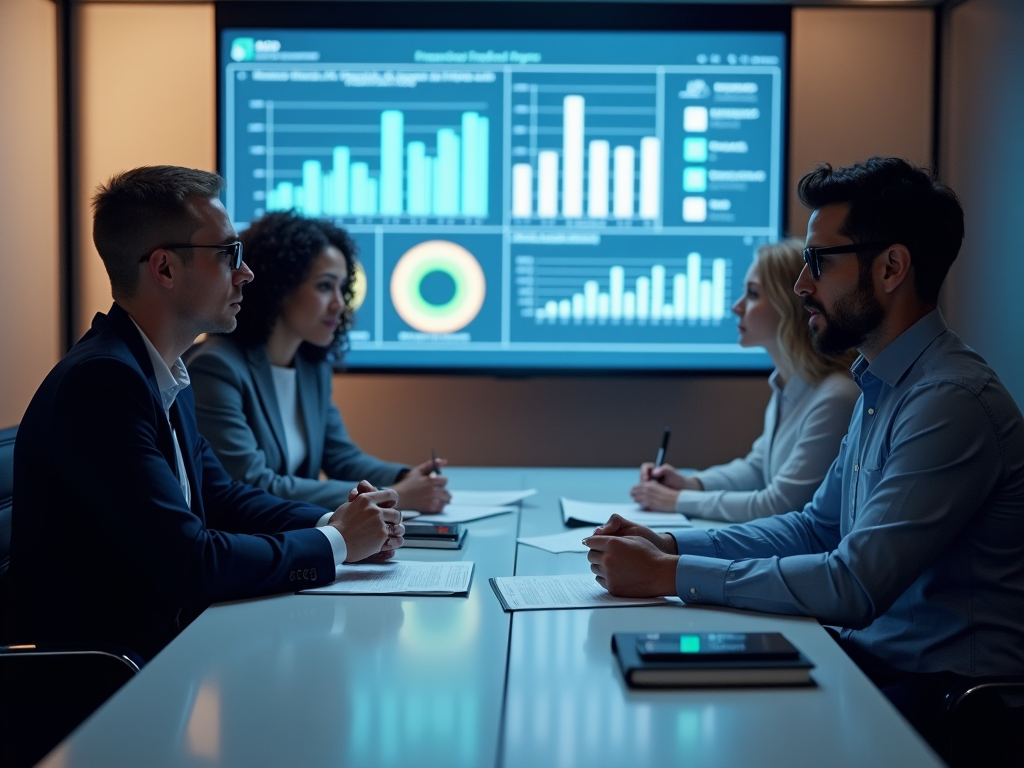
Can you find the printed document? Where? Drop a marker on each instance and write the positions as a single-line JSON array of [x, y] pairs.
[[567, 541], [580, 513], [489, 498], [401, 577], [537, 593]]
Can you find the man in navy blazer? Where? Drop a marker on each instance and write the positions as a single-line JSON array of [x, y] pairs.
[[125, 525]]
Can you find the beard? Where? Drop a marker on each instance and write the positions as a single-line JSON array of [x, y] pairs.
[[850, 322]]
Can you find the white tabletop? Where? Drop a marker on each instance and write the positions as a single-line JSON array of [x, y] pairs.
[[299, 680]]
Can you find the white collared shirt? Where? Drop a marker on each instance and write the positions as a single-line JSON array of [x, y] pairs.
[[173, 380]]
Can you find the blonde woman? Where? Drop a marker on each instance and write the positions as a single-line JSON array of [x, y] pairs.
[[807, 416]]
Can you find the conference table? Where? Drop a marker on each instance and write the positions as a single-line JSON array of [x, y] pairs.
[[328, 680]]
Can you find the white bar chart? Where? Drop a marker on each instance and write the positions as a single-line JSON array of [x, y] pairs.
[[653, 297]]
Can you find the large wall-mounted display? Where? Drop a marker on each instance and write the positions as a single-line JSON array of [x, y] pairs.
[[521, 199]]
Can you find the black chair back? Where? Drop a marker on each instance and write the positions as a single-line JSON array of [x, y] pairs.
[[6, 496]]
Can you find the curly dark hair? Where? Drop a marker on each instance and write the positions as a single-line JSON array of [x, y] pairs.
[[280, 248]]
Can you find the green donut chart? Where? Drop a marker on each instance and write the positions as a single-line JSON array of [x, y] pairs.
[[452, 260]]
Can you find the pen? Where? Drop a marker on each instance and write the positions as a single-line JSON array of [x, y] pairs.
[[433, 461], [664, 447]]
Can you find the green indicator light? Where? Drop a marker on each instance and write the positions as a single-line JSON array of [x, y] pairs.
[[689, 643]]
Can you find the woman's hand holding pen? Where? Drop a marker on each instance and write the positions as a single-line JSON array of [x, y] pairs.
[[659, 487], [422, 489]]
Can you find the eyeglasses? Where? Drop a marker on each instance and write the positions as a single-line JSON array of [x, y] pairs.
[[234, 249], [812, 256]]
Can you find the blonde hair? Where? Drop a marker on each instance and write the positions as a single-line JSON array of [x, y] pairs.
[[779, 265]]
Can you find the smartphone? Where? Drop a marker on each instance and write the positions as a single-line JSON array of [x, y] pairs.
[[716, 646]]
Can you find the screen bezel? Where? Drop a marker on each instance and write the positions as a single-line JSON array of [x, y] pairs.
[[515, 15]]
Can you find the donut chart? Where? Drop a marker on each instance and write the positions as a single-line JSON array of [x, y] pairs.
[[451, 260], [358, 287]]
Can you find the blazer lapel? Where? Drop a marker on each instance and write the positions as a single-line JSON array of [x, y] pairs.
[[187, 446], [263, 381], [124, 326], [310, 397]]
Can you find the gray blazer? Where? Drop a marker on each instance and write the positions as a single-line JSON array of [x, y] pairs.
[[237, 411]]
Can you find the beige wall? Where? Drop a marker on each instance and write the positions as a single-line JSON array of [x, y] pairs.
[[29, 290], [861, 86], [147, 98]]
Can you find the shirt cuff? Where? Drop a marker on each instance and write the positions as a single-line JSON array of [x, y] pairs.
[[695, 542], [338, 547], [324, 520], [701, 579]]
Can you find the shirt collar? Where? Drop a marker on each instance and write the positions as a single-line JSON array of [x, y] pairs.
[[895, 360], [170, 381]]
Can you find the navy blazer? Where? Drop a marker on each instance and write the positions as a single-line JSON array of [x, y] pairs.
[[103, 546], [237, 411]]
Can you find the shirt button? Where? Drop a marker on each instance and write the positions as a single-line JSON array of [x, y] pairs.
[[871, 411], [693, 591], [856, 467]]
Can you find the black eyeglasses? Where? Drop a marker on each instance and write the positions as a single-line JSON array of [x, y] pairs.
[[235, 249], [812, 256]]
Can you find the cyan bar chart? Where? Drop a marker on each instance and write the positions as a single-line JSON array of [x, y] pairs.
[[449, 176], [693, 290]]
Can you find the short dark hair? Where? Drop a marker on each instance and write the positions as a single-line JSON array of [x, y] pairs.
[[280, 248], [142, 209], [894, 202]]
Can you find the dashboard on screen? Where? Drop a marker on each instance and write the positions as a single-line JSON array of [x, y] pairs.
[[543, 199]]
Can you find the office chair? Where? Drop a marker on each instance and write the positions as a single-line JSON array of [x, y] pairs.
[[986, 722], [47, 690]]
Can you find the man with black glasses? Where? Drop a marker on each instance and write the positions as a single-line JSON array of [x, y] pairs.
[[125, 526], [913, 546]]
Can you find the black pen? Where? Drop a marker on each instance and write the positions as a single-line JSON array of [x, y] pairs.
[[433, 461], [664, 447]]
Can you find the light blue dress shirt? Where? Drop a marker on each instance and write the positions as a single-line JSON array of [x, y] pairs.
[[914, 543]]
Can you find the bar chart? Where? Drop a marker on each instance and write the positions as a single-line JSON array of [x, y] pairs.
[[444, 174], [690, 290], [585, 148]]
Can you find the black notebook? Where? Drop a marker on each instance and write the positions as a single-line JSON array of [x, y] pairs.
[[673, 660]]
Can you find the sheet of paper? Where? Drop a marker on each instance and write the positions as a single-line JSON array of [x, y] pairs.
[[401, 577], [455, 513], [536, 593], [567, 541], [581, 513], [489, 498]]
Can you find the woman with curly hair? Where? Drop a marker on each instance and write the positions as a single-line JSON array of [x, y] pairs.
[[808, 414], [263, 392]]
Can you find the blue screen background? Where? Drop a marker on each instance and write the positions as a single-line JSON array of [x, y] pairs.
[[521, 200]]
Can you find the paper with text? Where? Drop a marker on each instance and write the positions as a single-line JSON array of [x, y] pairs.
[[400, 577], [533, 593], [581, 513]]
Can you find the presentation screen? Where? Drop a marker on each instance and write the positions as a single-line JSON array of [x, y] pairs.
[[522, 200]]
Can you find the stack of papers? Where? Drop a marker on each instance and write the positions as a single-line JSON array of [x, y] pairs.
[[455, 513], [466, 506], [490, 498], [538, 593], [580, 513], [400, 577], [568, 541]]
